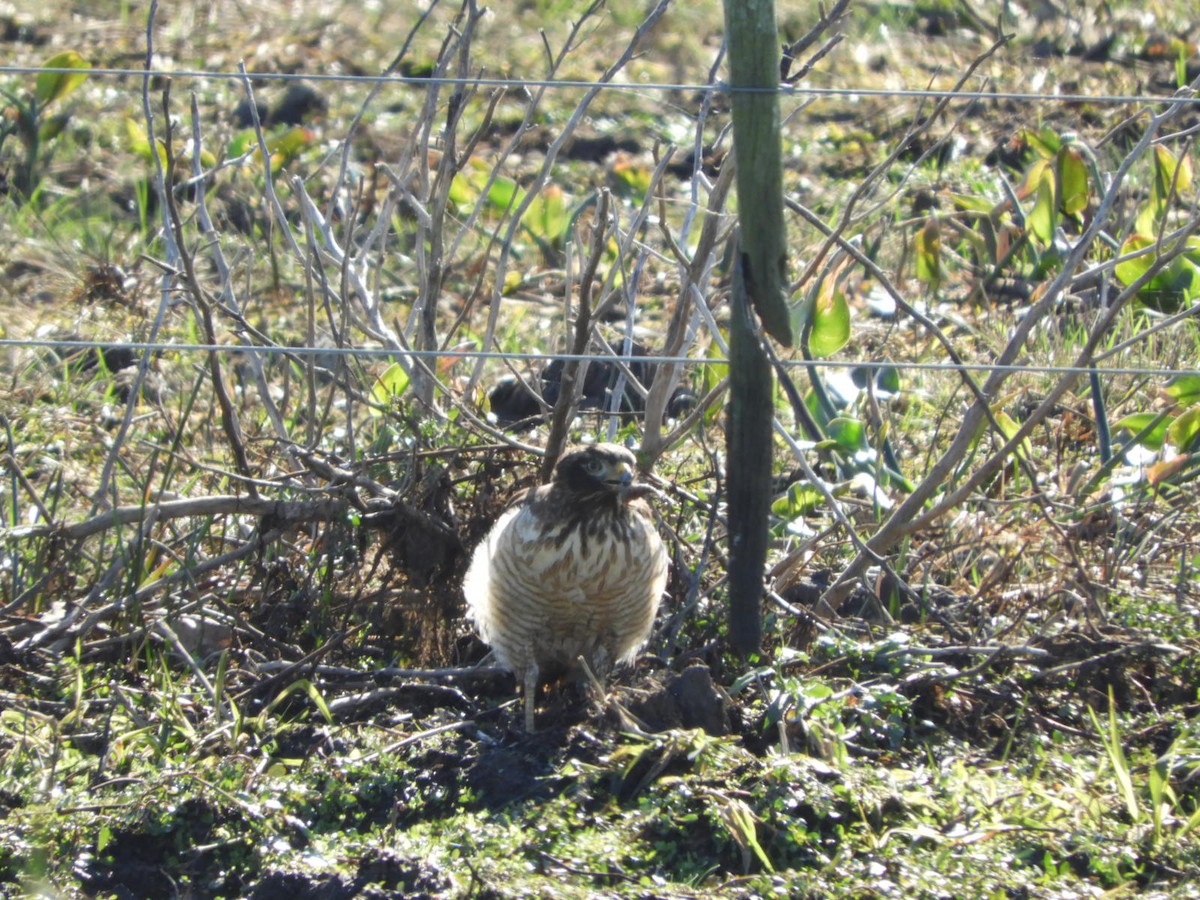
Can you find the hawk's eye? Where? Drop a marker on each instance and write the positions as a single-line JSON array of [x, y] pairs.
[[593, 466]]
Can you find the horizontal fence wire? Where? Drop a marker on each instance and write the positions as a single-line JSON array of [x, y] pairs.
[[718, 87], [386, 353]]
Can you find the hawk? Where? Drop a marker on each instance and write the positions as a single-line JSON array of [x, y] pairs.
[[576, 568]]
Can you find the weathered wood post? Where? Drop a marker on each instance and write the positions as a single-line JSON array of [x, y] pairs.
[[760, 278]]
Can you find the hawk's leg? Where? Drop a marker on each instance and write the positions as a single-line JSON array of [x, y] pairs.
[[531, 683]]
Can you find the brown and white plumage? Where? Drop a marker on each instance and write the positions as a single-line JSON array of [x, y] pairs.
[[575, 569]]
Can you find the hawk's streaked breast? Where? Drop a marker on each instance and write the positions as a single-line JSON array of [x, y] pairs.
[[576, 570]]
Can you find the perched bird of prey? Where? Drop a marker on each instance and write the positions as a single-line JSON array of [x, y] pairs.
[[575, 569]]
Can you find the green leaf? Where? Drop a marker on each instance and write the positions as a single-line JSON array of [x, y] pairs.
[[1148, 218], [1009, 428], [1184, 432], [52, 86], [633, 175], [1139, 422], [1167, 291], [52, 127], [388, 388], [547, 217], [504, 193], [739, 821], [243, 142], [139, 143], [1043, 219], [850, 434], [1172, 178], [283, 147], [971, 203], [462, 192], [1115, 747], [801, 499], [929, 253], [1184, 389], [1130, 270], [513, 279], [304, 686], [1073, 181], [1045, 141], [288, 145], [830, 321], [291, 142], [888, 380], [711, 376], [469, 183], [816, 409]]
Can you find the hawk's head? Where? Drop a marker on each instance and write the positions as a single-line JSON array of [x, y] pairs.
[[598, 470]]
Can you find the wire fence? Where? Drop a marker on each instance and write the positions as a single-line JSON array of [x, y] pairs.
[[335, 262], [650, 358], [643, 87], [988, 92]]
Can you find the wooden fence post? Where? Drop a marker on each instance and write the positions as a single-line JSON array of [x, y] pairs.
[[759, 284]]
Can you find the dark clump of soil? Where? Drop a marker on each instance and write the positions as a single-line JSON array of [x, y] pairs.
[[515, 403], [146, 864], [298, 104], [689, 699], [380, 875], [503, 775], [297, 886]]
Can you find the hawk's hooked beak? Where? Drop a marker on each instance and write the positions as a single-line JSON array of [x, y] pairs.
[[634, 490], [622, 475]]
